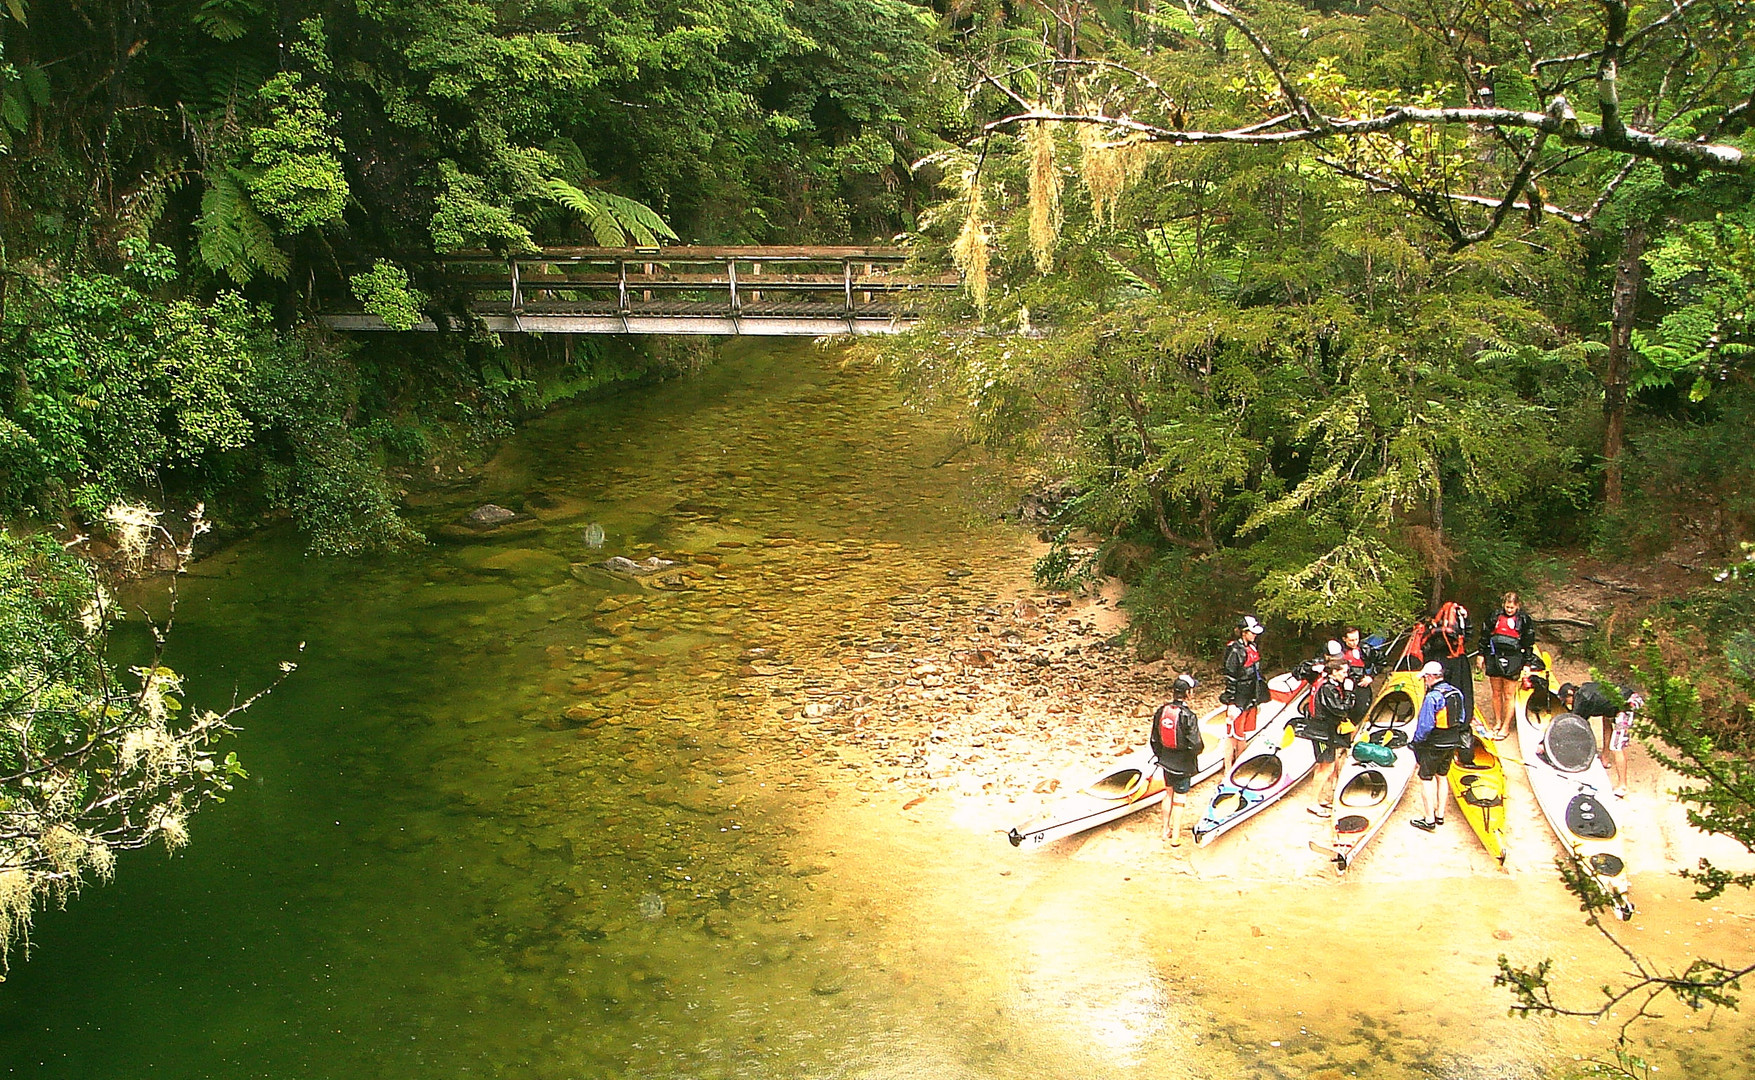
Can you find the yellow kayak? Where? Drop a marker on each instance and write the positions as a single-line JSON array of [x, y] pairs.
[[1477, 779]]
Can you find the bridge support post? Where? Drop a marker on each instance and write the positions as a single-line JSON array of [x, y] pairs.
[[731, 279], [517, 293]]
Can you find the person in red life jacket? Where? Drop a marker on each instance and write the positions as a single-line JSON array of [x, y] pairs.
[[1508, 639], [1245, 689], [1328, 724], [1177, 743], [1448, 643], [1439, 732], [1364, 661]]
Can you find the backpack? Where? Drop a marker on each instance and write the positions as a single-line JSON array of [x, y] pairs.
[[1308, 706], [1417, 642], [1167, 718], [1170, 718], [1450, 625]]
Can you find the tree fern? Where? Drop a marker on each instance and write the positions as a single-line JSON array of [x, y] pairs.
[[232, 236], [613, 219]]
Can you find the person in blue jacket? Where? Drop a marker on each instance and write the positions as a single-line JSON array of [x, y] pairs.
[[1439, 732]]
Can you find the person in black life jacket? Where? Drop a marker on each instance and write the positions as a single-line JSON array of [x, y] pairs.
[[1602, 701], [1245, 689], [1508, 640], [1364, 661], [1177, 743], [1439, 732], [1448, 644], [1328, 724]]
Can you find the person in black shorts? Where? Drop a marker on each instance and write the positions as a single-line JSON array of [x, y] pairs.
[[1599, 701], [1329, 725], [1508, 639], [1177, 743], [1439, 732]]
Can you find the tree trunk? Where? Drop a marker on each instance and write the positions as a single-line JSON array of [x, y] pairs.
[[1438, 534], [1629, 276]]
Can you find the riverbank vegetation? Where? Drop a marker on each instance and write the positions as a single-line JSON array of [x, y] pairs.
[[93, 761], [1347, 309]]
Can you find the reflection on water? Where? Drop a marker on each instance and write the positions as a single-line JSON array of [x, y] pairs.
[[519, 816]]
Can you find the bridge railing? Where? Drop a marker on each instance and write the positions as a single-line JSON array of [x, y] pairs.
[[746, 282]]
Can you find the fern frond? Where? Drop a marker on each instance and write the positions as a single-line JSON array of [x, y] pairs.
[[613, 219], [570, 158], [231, 235]]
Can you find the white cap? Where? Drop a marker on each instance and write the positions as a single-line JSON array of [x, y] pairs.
[[1432, 667], [1251, 625], [1334, 647], [1185, 679]]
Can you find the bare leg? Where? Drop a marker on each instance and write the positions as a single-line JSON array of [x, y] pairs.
[[1233, 747], [1620, 768], [1174, 801], [1169, 814]]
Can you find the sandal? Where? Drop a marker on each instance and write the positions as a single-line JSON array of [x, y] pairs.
[[1423, 825], [1320, 810]]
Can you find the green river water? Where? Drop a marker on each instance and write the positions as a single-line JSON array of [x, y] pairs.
[[519, 818]]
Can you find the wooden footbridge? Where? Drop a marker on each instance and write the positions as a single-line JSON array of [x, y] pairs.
[[766, 291]]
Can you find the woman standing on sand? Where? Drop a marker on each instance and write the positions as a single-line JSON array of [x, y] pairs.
[[1507, 640]]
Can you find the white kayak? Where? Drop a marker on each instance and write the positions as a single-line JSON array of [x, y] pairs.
[[1366, 793], [1272, 763], [1130, 785], [1575, 794]]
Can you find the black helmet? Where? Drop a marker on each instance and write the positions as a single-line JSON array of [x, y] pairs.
[[1566, 690]]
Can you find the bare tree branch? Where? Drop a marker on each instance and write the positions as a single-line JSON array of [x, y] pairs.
[[1558, 122]]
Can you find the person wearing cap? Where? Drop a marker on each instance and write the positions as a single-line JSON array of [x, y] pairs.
[[1328, 724], [1245, 689], [1177, 743], [1439, 732]]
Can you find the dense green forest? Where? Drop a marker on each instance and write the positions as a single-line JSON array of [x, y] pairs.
[[1339, 307], [179, 180], [1349, 307]]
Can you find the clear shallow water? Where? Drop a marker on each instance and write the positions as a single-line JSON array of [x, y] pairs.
[[518, 819]]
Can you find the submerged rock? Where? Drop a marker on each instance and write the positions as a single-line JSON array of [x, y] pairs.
[[621, 564], [490, 514]]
